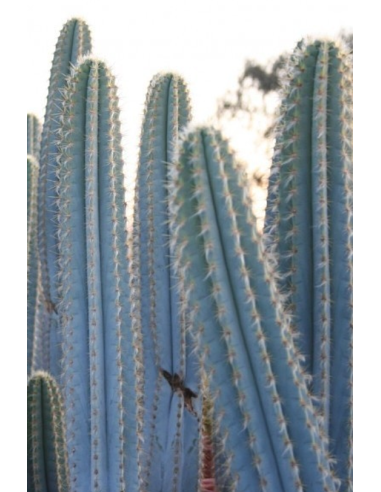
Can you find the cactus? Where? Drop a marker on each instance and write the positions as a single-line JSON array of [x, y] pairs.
[[309, 228], [269, 435], [98, 350], [33, 278], [32, 259], [169, 415], [193, 355], [47, 454], [33, 151], [74, 41]]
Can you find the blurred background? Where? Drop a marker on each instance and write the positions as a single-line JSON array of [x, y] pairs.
[[229, 52]]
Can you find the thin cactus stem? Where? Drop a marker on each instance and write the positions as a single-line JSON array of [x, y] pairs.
[[32, 257], [74, 41]]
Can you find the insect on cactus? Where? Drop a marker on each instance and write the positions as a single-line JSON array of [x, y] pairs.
[[169, 454], [266, 425], [74, 41], [192, 353]]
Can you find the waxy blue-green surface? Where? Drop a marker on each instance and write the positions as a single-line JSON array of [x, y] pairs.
[[240, 325], [73, 43], [309, 227], [170, 451], [98, 363], [47, 453]]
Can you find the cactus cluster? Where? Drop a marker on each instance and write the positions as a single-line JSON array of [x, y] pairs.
[[192, 352]]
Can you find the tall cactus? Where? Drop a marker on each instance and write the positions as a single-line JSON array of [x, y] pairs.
[[47, 453], [74, 41], [32, 257], [33, 150], [169, 413], [269, 436], [98, 349], [309, 228]]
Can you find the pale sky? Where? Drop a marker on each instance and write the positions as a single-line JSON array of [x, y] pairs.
[[205, 41]]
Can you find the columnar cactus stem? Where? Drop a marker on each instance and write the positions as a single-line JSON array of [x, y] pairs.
[[98, 370], [309, 227], [32, 257], [47, 453], [268, 427], [74, 41], [169, 456]]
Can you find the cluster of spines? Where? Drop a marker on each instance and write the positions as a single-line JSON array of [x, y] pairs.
[[93, 305], [74, 41], [47, 454], [308, 227], [194, 190], [158, 313]]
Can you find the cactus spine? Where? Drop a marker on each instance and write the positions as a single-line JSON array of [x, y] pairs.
[[262, 405], [192, 355], [98, 359], [309, 228], [169, 456], [74, 41], [47, 454]]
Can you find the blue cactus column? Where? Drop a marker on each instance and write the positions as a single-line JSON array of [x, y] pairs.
[[47, 452], [309, 229], [33, 149], [266, 434], [98, 348], [74, 42], [169, 414]]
